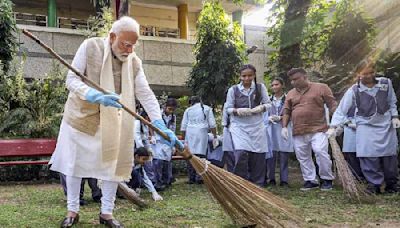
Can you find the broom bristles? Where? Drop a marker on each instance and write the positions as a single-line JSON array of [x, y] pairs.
[[352, 187], [246, 203], [131, 195]]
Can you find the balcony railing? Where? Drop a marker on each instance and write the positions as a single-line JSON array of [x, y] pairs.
[[74, 23], [42, 20], [147, 30], [30, 19]]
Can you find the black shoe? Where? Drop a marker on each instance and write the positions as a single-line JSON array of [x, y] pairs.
[[393, 188], [113, 223], [70, 221], [326, 185], [308, 185], [284, 184], [272, 183], [190, 182], [82, 202], [200, 182], [373, 189]]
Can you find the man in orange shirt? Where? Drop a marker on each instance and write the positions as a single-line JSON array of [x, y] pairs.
[[305, 106]]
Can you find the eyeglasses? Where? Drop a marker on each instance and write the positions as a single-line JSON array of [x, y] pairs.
[[127, 45]]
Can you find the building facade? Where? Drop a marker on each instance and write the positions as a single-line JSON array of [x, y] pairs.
[[168, 30]]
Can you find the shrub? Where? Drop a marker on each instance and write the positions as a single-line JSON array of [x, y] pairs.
[[31, 109]]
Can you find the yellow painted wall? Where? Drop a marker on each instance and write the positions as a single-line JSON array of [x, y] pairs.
[[155, 17], [166, 18]]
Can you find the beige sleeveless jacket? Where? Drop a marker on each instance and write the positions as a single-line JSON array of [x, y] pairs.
[[78, 113]]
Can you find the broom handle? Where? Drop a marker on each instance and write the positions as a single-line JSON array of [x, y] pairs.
[[95, 85]]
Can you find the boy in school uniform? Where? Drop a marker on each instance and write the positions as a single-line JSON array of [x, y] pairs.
[[139, 176]]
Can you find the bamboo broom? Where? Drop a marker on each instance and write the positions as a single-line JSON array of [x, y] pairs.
[[353, 188], [246, 203]]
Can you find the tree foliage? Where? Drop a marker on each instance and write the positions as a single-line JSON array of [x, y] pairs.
[[286, 34], [315, 34], [334, 37], [100, 24], [350, 40], [388, 65], [33, 109], [219, 52], [8, 41], [241, 2]]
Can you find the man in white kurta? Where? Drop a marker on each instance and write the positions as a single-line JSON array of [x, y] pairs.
[[96, 138]]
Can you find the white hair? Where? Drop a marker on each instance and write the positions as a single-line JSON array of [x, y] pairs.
[[125, 23]]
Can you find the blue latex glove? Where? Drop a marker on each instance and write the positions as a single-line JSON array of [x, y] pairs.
[[174, 140], [95, 96]]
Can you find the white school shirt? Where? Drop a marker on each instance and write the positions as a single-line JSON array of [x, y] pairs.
[[196, 123]]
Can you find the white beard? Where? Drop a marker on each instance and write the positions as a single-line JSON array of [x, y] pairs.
[[122, 58]]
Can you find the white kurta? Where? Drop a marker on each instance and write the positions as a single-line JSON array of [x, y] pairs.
[[79, 154], [196, 122]]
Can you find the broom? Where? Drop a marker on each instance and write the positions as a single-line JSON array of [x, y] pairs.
[[131, 195], [353, 188], [246, 203]]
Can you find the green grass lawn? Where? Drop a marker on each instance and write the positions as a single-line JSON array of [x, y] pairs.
[[44, 205]]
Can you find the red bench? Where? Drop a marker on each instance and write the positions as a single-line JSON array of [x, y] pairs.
[[26, 148], [32, 148]]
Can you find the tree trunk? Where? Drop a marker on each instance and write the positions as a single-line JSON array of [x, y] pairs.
[[291, 33]]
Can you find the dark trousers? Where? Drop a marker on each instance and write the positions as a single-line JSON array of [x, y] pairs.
[[283, 166], [379, 169], [217, 163], [354, 164], [171, 177], [193, 176], [229, 160], [136, 179], [161, 172], [96, 191], [250, 166]]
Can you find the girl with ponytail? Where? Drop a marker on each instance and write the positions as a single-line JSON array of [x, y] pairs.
[[246, 103], [197, 120], [279, 147]]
